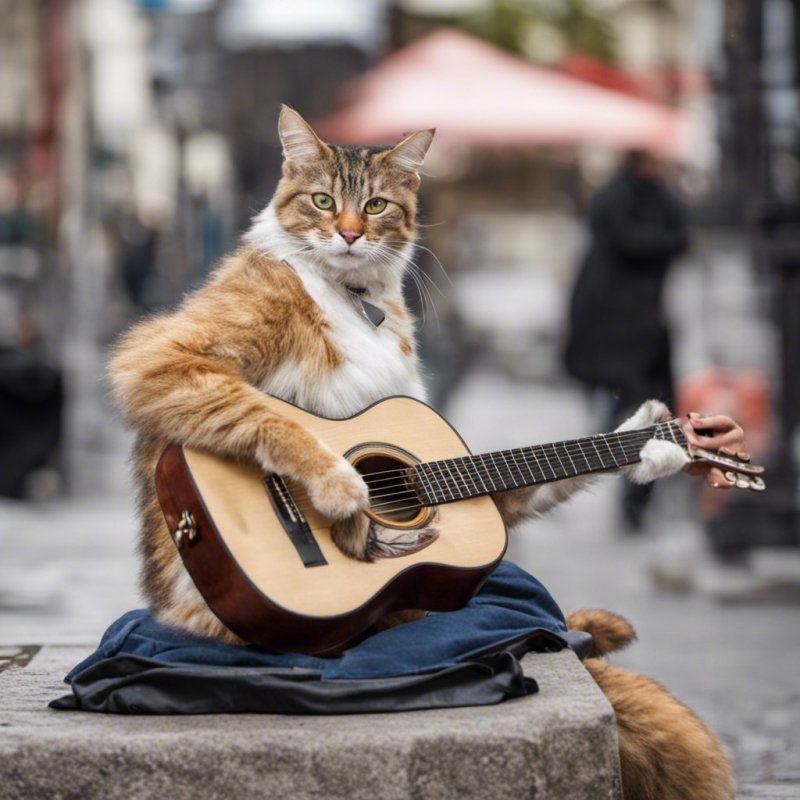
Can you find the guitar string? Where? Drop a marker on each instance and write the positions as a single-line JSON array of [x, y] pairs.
[[577, 445], [574, 443], [442, 480], [511, 469], [456, 484], [528, 459], [508, 458], [459, 488], [452, 491], [600, 436]]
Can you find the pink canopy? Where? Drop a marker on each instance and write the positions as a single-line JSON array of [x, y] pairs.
[[479, 95]]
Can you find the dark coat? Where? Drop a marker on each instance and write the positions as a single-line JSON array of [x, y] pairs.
[[617, 322], [31, 403]]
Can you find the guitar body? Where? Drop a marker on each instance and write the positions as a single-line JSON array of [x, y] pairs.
[[251, 563]]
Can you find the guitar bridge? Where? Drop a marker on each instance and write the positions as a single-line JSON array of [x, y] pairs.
[[293, 521]]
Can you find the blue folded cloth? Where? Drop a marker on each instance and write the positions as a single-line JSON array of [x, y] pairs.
[[511, 605]]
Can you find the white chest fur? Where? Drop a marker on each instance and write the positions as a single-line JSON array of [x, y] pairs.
[[374, 365]]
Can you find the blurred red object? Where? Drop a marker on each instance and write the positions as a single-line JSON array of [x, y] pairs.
[[654, 84], [476, 94], [593, 70], [741, 394]]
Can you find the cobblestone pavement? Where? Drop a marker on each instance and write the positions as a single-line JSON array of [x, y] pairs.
[[68, 568]]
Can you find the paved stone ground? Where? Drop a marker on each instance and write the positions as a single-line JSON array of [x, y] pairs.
[[68, 569]]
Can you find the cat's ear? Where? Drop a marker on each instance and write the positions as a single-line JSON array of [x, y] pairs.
[[299, 141], [410, 153]]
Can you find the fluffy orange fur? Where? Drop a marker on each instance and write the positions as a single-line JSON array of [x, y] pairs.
[[666, 751], [191, 376]]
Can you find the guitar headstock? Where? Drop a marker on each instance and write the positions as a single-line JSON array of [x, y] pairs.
[[741, 473]]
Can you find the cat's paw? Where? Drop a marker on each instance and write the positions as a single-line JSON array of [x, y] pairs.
[[649, 413], [658, 458], [352, 536], [338, 492]]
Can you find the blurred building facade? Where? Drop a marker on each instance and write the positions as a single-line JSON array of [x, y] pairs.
[[138, 138]]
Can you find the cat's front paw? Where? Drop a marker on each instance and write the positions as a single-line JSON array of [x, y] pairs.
[[352, 536], [338, 492], [658, 458]]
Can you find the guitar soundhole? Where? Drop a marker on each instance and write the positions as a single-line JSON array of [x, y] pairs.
[[394, 501]]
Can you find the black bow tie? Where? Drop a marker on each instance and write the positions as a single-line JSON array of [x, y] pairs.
[[371, 312]]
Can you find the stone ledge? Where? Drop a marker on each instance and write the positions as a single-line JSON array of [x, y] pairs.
[[557, 745]]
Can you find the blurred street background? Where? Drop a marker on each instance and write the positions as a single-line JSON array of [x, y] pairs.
[[137, 139]]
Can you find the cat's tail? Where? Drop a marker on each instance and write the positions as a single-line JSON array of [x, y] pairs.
[[609, 631], [665, 750]]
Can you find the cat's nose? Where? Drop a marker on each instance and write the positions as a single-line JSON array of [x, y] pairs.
[[349, 236]]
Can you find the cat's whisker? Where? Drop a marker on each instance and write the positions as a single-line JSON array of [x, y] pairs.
[[435, 258], [382, 252], [428, 278], [433, 255], [420, 276], [426, 299], [422, 302], [415, 271]]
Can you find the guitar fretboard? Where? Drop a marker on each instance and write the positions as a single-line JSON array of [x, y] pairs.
[[453, 479]]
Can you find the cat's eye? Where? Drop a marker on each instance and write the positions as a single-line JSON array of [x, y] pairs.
[[375, 205], [324, 202]]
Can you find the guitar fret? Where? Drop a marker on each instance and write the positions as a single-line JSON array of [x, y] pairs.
[[494, 487], [604, 439], [433, 465], [420, 470], [569, 456], [579, 454], [468, 467], [519, 469], [539, 466], [538, 463], [474, 464], [454, 484], [496, 471], [599, 457], [508, 467], [563, 468], [448, 484], [625, 459], [671, 429], [461, 482], [543, 450]]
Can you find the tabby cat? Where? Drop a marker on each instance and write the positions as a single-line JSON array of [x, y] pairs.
[[278, 316]]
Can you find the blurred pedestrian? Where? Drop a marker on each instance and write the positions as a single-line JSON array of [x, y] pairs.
[[619, 340]]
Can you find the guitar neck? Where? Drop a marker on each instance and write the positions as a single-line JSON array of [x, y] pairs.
[[445, 481]]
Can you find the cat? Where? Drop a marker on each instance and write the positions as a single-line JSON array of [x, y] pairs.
[[278, 317]]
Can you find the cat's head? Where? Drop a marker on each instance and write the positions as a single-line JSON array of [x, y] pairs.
[[347, 209]]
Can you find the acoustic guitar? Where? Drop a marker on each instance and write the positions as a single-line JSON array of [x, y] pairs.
[[263, 558]]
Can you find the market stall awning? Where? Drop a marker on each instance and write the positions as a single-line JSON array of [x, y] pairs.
[[476, 94]]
